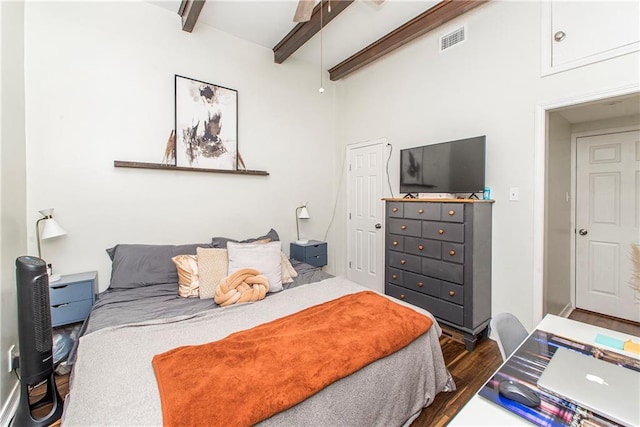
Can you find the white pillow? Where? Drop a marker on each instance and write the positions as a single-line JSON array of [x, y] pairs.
[[264, 257]]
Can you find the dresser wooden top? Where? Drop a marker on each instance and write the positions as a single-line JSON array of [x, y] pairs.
[[441, 200]]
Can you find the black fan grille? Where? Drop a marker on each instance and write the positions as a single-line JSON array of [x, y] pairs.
[[42, 315]]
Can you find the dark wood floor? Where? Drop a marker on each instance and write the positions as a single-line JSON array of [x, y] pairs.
[[470, 370]]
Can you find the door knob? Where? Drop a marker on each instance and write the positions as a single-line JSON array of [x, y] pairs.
[[582, 232], [378, 226], [559, 36]]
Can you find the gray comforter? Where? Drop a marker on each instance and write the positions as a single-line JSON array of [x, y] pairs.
[[113, 381], [124, 306]]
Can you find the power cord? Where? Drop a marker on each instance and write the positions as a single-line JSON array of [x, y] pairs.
[[335, 201], [387, 168]]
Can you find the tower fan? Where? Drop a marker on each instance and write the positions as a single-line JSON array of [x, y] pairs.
[[36, 344]]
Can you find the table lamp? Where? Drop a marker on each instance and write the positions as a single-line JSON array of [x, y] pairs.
[[304, 214], [50, 229]]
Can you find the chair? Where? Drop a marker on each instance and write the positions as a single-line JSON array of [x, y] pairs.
[[507, 330]]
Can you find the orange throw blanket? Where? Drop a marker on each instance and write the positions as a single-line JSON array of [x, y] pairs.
[[253, 374]]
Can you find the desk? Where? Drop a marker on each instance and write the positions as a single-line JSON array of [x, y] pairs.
[[479, 411]]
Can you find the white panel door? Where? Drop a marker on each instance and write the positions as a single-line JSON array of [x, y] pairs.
[[607, 222], [365, 215]]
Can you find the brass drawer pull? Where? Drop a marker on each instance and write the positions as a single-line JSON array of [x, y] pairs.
[[420, 211], [395, 243], [394, 276], [403, 262], [404, 227], [395, 209], [401, 296], [420, 284], [451, 293], [420, 247], [441, 231], [452, 252], [452, 213]]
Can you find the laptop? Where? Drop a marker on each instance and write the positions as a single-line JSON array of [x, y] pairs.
[[604, 388]]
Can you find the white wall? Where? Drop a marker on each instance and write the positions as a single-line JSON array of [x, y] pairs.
[[557, 290], [99, 88], [13, 228], [489, 85]]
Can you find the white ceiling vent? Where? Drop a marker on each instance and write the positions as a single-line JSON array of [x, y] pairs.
[[453, 38]]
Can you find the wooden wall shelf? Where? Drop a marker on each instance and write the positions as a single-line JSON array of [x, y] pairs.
[[161, 166]]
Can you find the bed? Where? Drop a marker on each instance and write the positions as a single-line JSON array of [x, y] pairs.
[[113, 381]]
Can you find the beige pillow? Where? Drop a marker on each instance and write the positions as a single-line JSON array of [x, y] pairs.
[[288, 272], [187, 267], [213, 265]]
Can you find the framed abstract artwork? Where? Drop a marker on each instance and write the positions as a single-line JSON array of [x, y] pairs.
[[206, 125]]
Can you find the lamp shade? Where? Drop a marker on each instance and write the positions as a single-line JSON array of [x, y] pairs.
[[51, 228], [304, 213]]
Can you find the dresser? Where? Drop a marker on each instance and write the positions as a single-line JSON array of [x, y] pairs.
[[438, 257], [72, 297]]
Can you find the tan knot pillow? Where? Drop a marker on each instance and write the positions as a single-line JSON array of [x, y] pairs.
[[245, 285]]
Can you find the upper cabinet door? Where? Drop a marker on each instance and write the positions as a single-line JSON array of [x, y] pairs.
[[580, 33]]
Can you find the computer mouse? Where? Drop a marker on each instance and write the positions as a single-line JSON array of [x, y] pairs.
[[519, 393]]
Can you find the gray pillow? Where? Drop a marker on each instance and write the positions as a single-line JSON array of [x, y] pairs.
[[221, 242], [142, 265]]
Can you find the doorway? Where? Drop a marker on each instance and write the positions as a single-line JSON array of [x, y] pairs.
[[559, 249], [607, 192], [365, 210]]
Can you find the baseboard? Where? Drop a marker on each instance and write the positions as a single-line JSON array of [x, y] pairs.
[[566, 311], [10, 406]]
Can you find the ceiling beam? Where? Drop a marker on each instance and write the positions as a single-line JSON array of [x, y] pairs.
[[439, 14], [189, 11], [303, 31]]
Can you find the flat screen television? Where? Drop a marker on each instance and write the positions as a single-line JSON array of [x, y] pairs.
[[448, 167]]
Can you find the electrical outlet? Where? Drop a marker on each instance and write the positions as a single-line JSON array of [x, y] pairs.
[[514, 193], [11, 354]]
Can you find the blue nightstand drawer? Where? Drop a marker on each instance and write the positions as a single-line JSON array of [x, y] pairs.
[[313, 252], [317, 261], [62, 293], [72, 297], [70, 312]]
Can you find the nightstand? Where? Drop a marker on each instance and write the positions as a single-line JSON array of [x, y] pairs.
[[314, 252], [72, 297]]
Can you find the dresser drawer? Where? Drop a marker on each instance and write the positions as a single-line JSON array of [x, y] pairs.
[[443, 270], [395, 209], [452, 212], [419, 210], [452, 293], [69, 292], [395, 276], [405, 227], [423, 284], [442, 309], [71, 312], [453, 252], [424, 247], [404, 261], [395, 243], [451, 232]]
